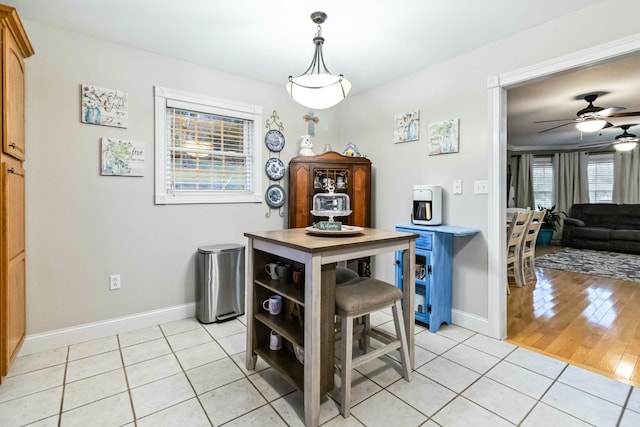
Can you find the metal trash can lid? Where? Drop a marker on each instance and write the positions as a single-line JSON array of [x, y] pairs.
[[216, 249]]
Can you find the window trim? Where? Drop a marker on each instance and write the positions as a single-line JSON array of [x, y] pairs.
[[172, 97]]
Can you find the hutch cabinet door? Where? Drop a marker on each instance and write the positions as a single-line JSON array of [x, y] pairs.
[[13, 85], [12, 291]]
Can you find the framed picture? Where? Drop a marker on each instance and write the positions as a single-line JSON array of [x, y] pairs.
[[106, 107], [122, 158], [406, 127], [443, 137]]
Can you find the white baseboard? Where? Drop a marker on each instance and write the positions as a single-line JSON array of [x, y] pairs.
[[471, 321], [61, 337]]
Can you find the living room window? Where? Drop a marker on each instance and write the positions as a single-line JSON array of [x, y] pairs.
[[542, 176], [207, 149], [600, 172]]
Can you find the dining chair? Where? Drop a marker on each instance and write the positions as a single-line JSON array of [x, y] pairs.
[[528, 247], [515, 237], [360, 297]]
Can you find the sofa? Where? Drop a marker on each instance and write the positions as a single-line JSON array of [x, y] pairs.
[[604, 227]]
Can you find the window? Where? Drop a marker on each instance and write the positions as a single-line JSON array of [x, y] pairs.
[[600, 172], [207, 150], [542, 171]]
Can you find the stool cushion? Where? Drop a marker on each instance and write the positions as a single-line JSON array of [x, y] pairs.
[[363, 292], [344, 274]]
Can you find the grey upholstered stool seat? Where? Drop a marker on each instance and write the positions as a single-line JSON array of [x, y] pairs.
[[359, 297]]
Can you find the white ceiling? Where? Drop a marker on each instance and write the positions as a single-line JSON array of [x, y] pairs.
[[561, 97], [369, 42]]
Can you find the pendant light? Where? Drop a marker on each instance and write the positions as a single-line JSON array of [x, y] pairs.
[[625, 141], [317, 88], [591, 124]]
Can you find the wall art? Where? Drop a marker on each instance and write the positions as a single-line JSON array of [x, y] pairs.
[[122, 158], [406, 127], [106, 107], [444, 137]]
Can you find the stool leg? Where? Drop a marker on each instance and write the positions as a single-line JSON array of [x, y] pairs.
[[345, 372], [400, 332], [366, 341]]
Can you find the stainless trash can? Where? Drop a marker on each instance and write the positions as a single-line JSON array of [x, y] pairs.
[[219, 282]]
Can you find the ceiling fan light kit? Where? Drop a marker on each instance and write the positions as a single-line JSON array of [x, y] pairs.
[[591, 125], [625, 146], [317, 88]]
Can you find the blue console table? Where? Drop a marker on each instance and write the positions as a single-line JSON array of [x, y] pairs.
[[434, 255]]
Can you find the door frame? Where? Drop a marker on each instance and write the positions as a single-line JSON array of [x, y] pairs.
[[497, 87]]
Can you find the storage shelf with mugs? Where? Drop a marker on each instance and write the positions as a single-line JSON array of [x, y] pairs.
[[279, 310]]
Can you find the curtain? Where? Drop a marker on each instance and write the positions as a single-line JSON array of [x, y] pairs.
[[571, 180], [626, 176], [522, 180]]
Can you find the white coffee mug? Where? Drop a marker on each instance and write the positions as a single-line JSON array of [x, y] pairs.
[[271, 270], [275, 341], [273, 304]]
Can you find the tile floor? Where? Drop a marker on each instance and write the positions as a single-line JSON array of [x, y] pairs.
[[188, 374]]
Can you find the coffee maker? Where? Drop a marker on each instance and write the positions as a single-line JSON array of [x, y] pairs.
[[427, 205]]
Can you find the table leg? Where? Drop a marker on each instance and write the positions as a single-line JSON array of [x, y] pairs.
[[409, 292]]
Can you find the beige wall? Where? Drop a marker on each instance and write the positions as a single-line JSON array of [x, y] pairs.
[[82, 227], [458, 89]]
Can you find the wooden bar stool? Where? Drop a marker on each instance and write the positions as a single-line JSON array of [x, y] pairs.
[[360, 297]]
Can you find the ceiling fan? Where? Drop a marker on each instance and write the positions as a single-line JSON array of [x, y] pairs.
[[592, 118], [624, 142]]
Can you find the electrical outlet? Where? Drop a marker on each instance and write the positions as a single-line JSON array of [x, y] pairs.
[[457, 186], [481, 187], [114, 282]]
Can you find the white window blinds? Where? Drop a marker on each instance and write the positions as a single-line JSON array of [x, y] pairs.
[[542, 181], [207, 152], [600, 172]]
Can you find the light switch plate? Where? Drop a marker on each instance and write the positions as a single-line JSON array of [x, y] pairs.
[[481, 187]]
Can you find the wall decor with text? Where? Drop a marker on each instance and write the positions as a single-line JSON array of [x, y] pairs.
[[106, 107]]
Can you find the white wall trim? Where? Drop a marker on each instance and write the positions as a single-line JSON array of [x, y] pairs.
[[497, 87], [76, 334], [470, 321]]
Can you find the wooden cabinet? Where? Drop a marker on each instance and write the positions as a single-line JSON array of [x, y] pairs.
[[352, 176], [15, 48], [433, 273]]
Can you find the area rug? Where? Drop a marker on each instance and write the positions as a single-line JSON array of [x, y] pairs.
[[596, 263]]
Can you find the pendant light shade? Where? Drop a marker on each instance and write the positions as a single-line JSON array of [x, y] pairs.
[[591, 125], [625, 146], [317, 88]]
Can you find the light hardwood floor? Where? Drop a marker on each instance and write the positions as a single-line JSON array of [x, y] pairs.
[[589, 321]]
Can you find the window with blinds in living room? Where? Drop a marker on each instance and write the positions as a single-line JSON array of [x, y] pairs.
[[600, 172], [207, 150], [542, 176]]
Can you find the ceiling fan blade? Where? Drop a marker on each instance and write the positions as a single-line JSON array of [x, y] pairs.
[[555, 127], [596, 144], [607, 112], [557, 120], [625, 114]]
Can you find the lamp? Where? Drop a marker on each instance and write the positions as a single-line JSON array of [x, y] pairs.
[[625, 146], [317, 88], [625, 141], [591, 125]]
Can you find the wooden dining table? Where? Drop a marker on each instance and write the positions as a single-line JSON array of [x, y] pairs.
[[319, 254]]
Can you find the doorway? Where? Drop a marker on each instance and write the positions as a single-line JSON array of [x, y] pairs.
[[497, 95]]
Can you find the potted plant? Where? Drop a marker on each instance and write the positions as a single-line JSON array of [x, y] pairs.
[[550, 224]]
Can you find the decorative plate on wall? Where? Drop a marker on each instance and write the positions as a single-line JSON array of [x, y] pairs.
[[274, 139], [274, 169], [275, 196]]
